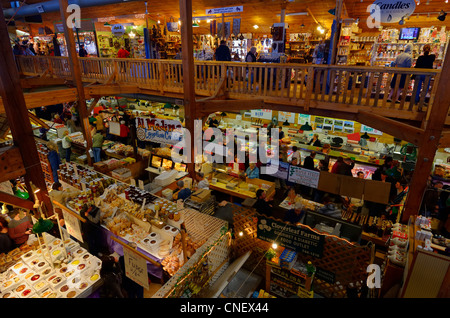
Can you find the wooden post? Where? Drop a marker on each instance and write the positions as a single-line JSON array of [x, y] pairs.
[[429, 143], [19, 122], [337, 31], [76, 75], [188, 75]]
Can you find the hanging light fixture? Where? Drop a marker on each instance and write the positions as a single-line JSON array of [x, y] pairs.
[[42, 225], [255, 26], [195, 24], [442, 15], [402, 21]]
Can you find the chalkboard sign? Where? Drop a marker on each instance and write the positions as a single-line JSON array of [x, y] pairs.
[[300, 239]]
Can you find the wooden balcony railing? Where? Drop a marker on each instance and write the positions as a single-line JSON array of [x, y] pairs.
[[338, 87]]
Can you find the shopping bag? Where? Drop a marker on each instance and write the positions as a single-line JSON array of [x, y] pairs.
[[172, 26]]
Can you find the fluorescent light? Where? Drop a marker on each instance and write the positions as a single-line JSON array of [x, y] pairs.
[[295, 13], [255, 26]]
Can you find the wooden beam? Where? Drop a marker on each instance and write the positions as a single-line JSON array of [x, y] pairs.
[[16, 201], [94, 103], [17, 114], [37, 120], [188, 75], [76, 75], [46, 98], [429, 143], [444, 141], [392, 127], [211, 106], [33, 82], [11, 164]]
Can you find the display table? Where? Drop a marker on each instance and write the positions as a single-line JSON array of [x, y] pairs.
[[242, 188], [118, 248]]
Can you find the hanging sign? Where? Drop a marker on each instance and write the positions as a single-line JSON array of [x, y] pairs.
[[159, 130], [262, 113], [370, 130], [236, 26], [296, 238], [118, 29], [225, 10], [392, 11], [304, 176], [283, 116], [135, 267]]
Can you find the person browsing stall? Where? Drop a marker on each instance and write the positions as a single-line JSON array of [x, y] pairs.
[[252, 171], [315, 141], [184, 193], [295, 215]]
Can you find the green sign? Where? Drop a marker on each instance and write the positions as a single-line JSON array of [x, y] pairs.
[[299, 239]]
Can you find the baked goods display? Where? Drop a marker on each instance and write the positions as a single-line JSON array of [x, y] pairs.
[[31, 275]]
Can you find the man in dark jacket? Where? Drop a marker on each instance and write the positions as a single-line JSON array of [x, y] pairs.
[[223, 52]]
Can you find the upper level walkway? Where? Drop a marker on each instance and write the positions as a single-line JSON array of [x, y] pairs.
[[348, 92]]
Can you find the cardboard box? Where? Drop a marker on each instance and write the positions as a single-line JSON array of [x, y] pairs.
[[201, 195]]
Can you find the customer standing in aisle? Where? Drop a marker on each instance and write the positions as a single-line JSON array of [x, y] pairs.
[[97, 143], [250, 58], [6, 243], [19, 228], [424, 61], [54, 159], [223, 52], [404, 59], [82, 51], [67, 145]]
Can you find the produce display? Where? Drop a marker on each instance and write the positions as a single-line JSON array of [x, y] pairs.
[[31, 276]]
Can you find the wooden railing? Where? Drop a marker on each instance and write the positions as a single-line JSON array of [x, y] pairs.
[[341, 87]]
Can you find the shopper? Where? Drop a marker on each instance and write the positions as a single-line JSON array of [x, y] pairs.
[[309, 161], [404, 59], [111, 274], [424, 61], [326, 148], [97, 143], [250, 58], [262, 205], [184, 193], [82, 51], [124, 130], [19, 228], [70, 123], [92, 231], [54, 159], [56, 47], [252, 171], [223, 52], [346, 167], [6, 243], [396, 202], [315, 141], [203, 183], [337, 165], [67, 145], [296, 155], [122, 53], [329, 208], [99, 122], [295, 215], [57, 119]]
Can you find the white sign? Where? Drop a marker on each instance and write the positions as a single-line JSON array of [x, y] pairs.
[[283, 116], [114, 128], [135, 267], [118, 29], [262, 113], [392, 11], [72, 225], [304, 176], [303, 119], [225, 10], [370, 130]]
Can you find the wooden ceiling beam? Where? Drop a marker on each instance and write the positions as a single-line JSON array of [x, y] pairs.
[[390, 126], [211, 106]]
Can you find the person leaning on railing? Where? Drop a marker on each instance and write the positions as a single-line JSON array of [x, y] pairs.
[[424, 61], [404, 59]]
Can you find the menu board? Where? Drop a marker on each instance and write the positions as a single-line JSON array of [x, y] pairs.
[[283, 116], [304, 176]]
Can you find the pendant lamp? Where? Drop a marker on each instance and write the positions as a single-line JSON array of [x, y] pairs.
[[42, 226]]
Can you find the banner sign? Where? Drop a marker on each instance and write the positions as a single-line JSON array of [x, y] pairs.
[[159, 130], [370, 130], [225, 10], [292, 237], [392, 11], [304, 176], [118, 29]]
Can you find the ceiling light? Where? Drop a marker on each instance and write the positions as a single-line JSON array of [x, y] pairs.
[[208, 21], [255, 26], [402, 21], [159, 22], [195, 25], [131, 34]]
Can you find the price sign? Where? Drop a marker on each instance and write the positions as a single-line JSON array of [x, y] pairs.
[[72, 225], [135, 267]]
